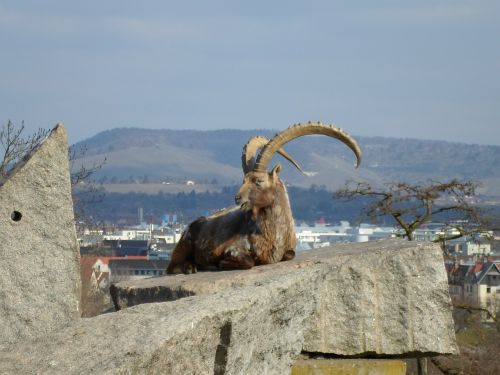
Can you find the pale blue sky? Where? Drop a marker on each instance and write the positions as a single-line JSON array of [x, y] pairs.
[[419, 68]]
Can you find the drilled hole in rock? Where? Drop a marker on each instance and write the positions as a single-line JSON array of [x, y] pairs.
[[16, 215]]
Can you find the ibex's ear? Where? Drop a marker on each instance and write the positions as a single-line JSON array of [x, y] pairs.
[[276, 171]]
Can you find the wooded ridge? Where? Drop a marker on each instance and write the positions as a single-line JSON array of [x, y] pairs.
[[214, 157]]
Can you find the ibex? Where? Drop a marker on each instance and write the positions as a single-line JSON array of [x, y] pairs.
[[260, 229]]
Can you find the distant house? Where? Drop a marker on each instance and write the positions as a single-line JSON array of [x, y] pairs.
[[125, 269], [475, 285], [95, 298], [94, 272]]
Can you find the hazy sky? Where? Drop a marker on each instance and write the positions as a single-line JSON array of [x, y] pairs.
[[414, 68]]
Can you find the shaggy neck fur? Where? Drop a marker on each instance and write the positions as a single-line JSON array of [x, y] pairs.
[[278, 228]]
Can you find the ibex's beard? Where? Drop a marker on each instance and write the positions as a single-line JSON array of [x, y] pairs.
[[245, 206]]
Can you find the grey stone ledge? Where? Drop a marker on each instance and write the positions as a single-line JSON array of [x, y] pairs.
[[387, 298]]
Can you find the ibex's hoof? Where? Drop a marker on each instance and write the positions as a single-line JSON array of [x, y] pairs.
[[289, 255], [189, 268]]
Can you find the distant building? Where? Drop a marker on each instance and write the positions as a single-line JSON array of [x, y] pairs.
[[476, 285], [159, 254], [94, 271], [126, 269], [468, 246], [129, 234], [128, 247], [324, 235], [166, 239], [95, 296], [101, 263]]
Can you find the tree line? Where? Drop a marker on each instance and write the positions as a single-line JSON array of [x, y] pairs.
[[308, 205]]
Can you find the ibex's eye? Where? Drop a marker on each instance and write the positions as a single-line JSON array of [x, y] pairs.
[[259, 182]]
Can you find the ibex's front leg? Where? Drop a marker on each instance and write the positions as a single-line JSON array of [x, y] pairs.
[[236, 261], [181, 261]]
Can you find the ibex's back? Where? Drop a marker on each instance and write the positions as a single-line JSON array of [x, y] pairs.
[[260, 230]]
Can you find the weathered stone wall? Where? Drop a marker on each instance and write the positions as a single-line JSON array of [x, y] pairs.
[[259, 321], [251, 330], [39, 257]]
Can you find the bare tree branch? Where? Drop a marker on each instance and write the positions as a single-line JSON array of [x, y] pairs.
[[15, 145], [85, 192], [472, 309], [413, 205]]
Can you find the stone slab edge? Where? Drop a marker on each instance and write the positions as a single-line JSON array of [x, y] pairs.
[[383, 297], [259, 325], [251, 330]]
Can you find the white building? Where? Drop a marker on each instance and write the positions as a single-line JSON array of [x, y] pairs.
[[129, 234], [469, 246], [324, 235]]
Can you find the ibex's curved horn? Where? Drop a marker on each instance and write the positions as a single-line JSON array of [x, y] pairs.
[[250, 151], [299, 130], [253, 145]]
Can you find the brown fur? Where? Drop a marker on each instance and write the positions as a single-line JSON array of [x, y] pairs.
[[259, 231]]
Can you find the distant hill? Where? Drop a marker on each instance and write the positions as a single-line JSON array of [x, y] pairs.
[[214, 157]]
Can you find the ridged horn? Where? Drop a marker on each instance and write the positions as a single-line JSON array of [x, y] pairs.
[[256, 143], [299, 130]]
